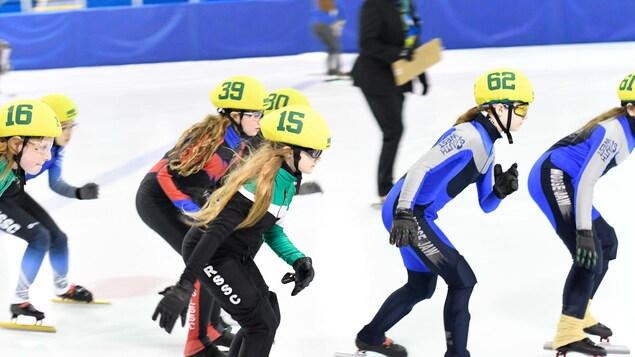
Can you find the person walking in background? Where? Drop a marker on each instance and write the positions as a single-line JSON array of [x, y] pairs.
[[327, 18], [389, 31], [562, 182], [463, 155]]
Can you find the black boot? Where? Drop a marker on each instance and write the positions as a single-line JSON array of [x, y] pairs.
[[77, 293], [585, 346], [599, 330], [388, 348], [26, 309], [225, 339], [209, 351]]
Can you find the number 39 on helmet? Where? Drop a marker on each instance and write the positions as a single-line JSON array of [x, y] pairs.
[[240, 92], [27, 117], [297, 125], [502, 85]]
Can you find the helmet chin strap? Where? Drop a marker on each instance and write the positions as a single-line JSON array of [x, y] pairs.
[[18, 157], [235, 124], [509, 123], [296, 163]]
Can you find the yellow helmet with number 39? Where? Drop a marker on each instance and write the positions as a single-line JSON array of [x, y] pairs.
[[283, 97], [297, 125], [28, 117], [626, 89], [62, 105], [240, 92], [503, 85]]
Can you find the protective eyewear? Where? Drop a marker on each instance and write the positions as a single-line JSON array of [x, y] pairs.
[[256, 115], [68, 126], [41, 147], [519, 109], [313, 153]]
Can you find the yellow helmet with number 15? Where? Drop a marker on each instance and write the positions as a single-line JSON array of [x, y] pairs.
[[297, 125]]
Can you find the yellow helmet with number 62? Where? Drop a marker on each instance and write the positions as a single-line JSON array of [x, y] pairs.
[[503, 85], [28, 117], [626, 89], [239, 92], [297, 125]]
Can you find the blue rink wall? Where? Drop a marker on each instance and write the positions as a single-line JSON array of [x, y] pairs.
[[243, 28]]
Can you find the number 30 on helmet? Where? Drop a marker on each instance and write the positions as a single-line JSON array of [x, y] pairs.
[[26, 117], [297, 125], [502, 85]]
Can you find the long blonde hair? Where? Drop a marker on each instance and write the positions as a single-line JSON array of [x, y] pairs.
[[469, 115], [262, 165], [616, 112], [197, 144], [8, 153]]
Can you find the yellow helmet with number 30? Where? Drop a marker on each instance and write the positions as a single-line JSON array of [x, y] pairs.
[[502, 85], [285, 96], [626, 89], [297, 125], [240, 92], [28, 117], [62, 105]]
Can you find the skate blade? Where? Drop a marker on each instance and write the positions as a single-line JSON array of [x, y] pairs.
[[610, 348], [69, 301], [37, 328], [342, 354]]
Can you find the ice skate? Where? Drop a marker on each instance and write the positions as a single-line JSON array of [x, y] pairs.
[[388, 348], [209, 351], [26, 309], [599, 330], [78, 294], [584, 346]]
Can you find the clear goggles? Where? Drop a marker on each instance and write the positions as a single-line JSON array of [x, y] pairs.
[[519, 109], [254, 114]]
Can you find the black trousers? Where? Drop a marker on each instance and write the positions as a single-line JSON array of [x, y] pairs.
[[237, 285], [387, 110], [159, 213]]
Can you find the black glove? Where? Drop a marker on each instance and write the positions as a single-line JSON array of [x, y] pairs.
[[176, 300], [308, 188], [423, 78], [89, 191], [405, 228], [303, 276], [406, 53], [505, 183], [585, 249]]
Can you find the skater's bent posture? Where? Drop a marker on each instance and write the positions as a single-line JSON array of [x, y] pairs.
[[27, 129], [463, 155], [247, 210], [562, 182], [184, 178]]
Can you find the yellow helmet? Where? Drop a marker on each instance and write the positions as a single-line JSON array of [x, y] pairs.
[[626, 89], [28, 117], [297, 125], [502, 85], [239, 92], [61, 105], [285, 96]]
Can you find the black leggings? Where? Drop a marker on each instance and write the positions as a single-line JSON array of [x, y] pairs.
[[159, 213]]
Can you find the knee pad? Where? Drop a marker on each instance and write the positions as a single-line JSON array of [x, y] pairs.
[[422, 284], [273, 300], [40, 239], [59, 241], [464, 277], [608, 238]]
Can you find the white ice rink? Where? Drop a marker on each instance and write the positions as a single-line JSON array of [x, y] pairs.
[[129, 115]]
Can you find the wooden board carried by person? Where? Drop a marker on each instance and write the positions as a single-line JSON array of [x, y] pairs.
[[423, 58]]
